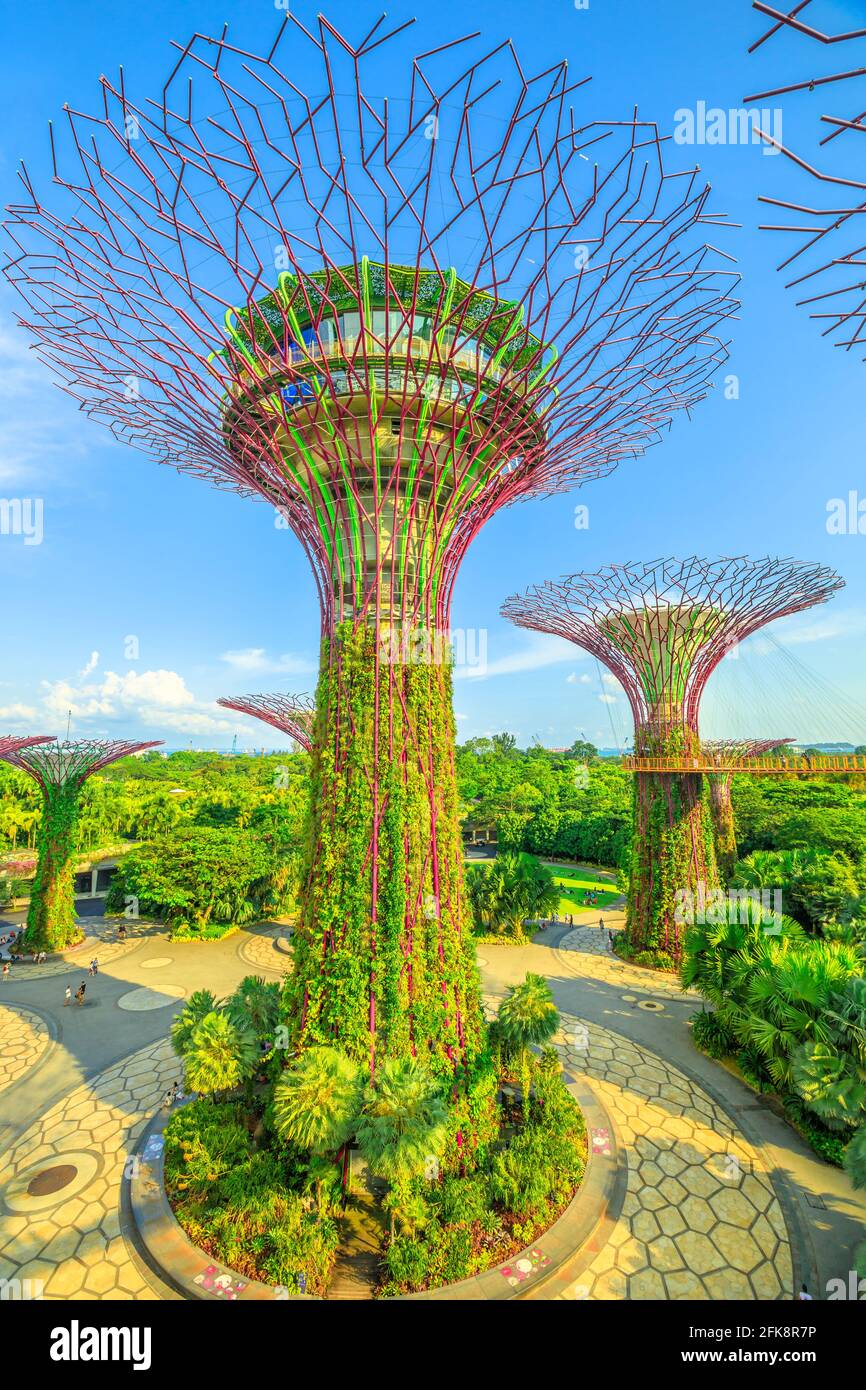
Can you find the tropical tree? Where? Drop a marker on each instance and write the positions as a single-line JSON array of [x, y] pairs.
[[403, 1125], [255, 1003], [527, 1017], [201, 1003], [855, 1163], [515, 888], [220, 1055], [317, 1100]]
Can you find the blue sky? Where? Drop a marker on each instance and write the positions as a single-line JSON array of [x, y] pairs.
[[220, 601]]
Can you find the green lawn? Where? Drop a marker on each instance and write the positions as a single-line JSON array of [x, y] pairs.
[[574, 883]]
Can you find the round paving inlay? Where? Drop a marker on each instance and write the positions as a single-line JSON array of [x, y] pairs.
[[42, 1185], [156, 962], [652, 1004], [51, 1180], [144, 998]]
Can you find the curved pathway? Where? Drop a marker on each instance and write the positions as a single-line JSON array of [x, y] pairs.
[[721, 1200], [701, 1218], [24, 1039]]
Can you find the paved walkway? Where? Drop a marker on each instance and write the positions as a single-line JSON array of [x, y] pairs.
[[24, 1038], [721, 1200]]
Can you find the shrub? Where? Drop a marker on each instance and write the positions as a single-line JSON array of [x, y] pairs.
[[710, 1035], [238, 1202]]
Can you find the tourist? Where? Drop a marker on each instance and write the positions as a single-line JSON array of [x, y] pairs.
[[121, 932], [79, 993], [5, 970], [601, 923], [94, 966], [804, 1296], [67, 996], [610, 939]]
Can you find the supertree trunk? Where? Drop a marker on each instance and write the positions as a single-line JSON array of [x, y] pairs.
[[722, 809], [384, 963], [51, 924], [673, 854]]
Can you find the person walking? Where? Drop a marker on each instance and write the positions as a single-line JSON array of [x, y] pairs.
[[5, 970], [601, 923], [79, 994], [67, 996], [94, 966]]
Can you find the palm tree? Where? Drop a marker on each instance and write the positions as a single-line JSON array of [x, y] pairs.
[[317, 1100], [527, 1017], [220, 1055], [516, 888], [256, 1004], [201, 1003], [404, 1123]]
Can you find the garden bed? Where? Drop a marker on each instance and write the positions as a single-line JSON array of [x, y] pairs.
[[271, 1214]]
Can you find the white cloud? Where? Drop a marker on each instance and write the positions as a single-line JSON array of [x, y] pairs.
[[255, 661], [92, 663], [541, 649], [607, 699], [17, 714], [157, 699]]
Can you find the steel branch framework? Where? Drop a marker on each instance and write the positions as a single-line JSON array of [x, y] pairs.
[[291, 714], [11, 743], [663, 627], [830, 239], [70, 763], [256, 285]]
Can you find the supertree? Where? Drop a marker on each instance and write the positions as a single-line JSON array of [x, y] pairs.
[[662, 628], [60, 770], [387, 316], [291, 714], [723, 751], [828, 240]]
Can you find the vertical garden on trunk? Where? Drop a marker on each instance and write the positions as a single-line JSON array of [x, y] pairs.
[[384, 962]]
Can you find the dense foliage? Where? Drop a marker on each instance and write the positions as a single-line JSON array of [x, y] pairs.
[[791, 1009], [510, 891], [383, 951], [200, 880]]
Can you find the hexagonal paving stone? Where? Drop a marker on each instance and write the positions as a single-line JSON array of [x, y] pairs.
[[737, 1246], [735, 1208], [698, 1252]]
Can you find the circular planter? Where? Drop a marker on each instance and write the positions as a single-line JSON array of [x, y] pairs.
[[550, 1264]]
